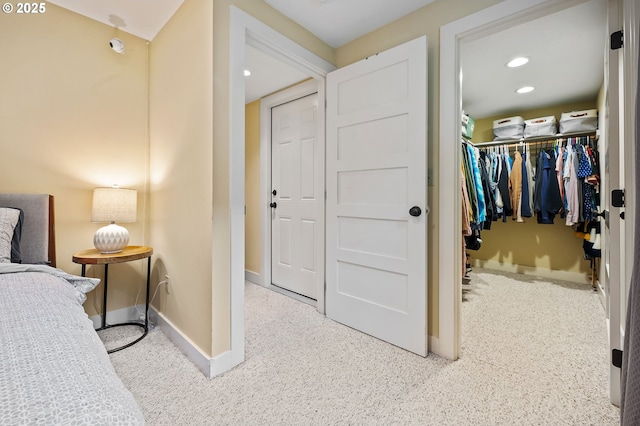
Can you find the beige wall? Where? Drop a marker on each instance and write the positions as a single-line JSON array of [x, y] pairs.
[[73, 117], [426, 21], [181, 111], [190, 162], [530, 244], [252, 187]]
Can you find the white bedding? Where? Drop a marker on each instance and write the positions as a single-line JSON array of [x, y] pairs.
[[54, 370]]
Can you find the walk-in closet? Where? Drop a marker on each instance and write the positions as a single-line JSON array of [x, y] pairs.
[[531, 162], [541, 197]]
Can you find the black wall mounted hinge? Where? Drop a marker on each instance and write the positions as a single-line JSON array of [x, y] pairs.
[[617, 198], [616, 358], [617, 40]]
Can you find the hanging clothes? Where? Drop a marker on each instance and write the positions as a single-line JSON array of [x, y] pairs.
[[466, 218], [503, 187], [515, 187], [490, 201], [471, 188], [527, 188], [466, 207], [572, 204], [564, 181], [547, 200], [477, 180], [530, 176], [559, 171], [496, 169]]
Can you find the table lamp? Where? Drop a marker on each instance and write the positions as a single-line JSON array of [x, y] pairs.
[[113, 205]]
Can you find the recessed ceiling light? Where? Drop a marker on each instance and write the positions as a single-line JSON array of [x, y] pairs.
[[517, 62], [525, 89], [247, 73]]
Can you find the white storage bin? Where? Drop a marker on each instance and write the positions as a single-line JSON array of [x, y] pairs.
[[508, 128], [543, 126], [579, 121]]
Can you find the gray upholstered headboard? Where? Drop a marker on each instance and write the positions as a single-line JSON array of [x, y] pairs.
[[38, 243]]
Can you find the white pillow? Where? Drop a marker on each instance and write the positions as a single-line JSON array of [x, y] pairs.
[[8, 220]]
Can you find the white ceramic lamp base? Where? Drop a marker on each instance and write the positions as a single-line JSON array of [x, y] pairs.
[[111, 238]]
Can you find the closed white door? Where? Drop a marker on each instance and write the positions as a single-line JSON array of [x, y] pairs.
[[376, 195], [295, 196]]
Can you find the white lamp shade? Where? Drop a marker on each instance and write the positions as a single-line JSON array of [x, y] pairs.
[[114, 205]]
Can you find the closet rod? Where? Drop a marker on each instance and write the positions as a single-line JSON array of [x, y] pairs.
[[525, 141]]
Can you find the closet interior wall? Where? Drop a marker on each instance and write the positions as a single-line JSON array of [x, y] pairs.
[[530, 247]]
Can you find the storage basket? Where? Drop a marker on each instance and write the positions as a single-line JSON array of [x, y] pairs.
[[468, 124], [543, 126], [579, 121], [508, 128]]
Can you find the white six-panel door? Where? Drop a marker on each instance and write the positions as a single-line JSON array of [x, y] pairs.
[[376, 173], [297, 194]]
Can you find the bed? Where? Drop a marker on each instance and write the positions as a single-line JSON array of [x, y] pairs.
[[54, 369]]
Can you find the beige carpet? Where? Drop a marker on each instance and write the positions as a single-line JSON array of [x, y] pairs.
[[534, 353]]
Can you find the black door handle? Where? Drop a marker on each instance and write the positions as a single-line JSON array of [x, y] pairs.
[[273, 205], [415, 211], [274, 192]]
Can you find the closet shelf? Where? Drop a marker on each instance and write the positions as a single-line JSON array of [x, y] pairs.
[[539, 138]]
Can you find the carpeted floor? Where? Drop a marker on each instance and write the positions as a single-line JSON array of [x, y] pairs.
[[534, 353]]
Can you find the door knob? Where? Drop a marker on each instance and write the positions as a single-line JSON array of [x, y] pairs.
[[415, 211], [273, 205]]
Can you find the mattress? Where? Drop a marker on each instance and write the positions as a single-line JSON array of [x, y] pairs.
[[54, 370]]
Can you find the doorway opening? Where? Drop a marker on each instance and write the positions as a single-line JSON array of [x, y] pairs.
[[489, 21], [246, 30]]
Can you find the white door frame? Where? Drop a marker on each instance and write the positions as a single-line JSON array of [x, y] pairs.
[[245, 29], [629, 22], [266, 104], [488, 21], [612, 272], [630, 26]]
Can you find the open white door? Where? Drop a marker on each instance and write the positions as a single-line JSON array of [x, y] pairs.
[[376, 195], [611, 249], [618, 252]]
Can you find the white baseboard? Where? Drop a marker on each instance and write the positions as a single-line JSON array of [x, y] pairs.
[[576, 277], [253, 277], [131, 313], [210, 367]]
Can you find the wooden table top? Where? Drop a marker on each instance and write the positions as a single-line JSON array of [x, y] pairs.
[[129, 253]]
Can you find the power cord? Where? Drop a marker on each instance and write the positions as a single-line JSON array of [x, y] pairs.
[[141, 315], [165, 282]]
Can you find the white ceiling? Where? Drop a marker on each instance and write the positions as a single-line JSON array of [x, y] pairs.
[[566, 62], [143, 18], [566, 49], [337, 22]]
